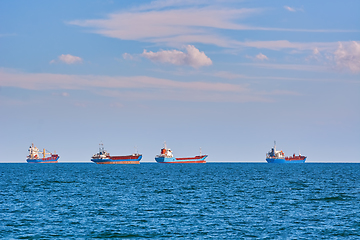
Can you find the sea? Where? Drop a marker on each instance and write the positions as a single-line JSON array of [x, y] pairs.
[[188, 201]]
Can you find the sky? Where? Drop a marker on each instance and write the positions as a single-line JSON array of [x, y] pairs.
[[229, 77]]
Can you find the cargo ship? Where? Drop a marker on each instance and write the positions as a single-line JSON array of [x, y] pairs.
[[275, 156], [34, 156], [166, 156], [103, 157]]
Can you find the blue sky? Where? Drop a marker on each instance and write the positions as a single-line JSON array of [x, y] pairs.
[[227, 76]]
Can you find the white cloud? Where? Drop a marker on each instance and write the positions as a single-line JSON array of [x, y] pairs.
[[290, 9], [193, 57], [316, 51], [128, 56], [68, 59], [261, 57], [347, 56], [316, 55]]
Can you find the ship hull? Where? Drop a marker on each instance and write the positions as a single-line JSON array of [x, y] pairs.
[[118, 160], [285, 160], [197, 159], [52, 159]]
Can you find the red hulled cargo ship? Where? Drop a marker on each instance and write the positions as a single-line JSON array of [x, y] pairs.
[[103, 157]]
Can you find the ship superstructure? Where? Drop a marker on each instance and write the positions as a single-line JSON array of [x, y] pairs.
[[35, 157], [103, 157], [166, 156], [275, 156]]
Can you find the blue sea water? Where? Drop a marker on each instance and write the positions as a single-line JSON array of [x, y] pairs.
[[219, 200]]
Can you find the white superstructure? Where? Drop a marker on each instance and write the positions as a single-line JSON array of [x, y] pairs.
[[34, 152], [165, 152], [102, 154], [274, 153]]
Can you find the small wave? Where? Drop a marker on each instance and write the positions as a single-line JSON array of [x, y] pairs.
[[329, 199], [57, 181], [299, 184], [167, 191], [110, 234]]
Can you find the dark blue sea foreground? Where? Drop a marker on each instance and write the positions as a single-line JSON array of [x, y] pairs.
[[232, 201]]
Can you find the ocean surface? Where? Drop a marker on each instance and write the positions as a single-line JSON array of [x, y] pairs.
[[201, 201]]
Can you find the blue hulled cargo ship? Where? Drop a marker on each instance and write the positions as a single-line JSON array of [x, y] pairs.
[[34, 156], [166, 156], [275, 156]]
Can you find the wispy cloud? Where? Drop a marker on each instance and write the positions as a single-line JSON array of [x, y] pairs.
[[46, 81], [169, 26], [63, 94], [296, 67], [160, 4], [290, 9], [159, 23], [193, 57], [226, 75], [132, 88], [68, 59], [285, 44], [189, 95]]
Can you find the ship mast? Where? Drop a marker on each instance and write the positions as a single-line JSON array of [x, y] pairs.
[[44, 153], [274, 145], [101, 147], [136, 150]]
